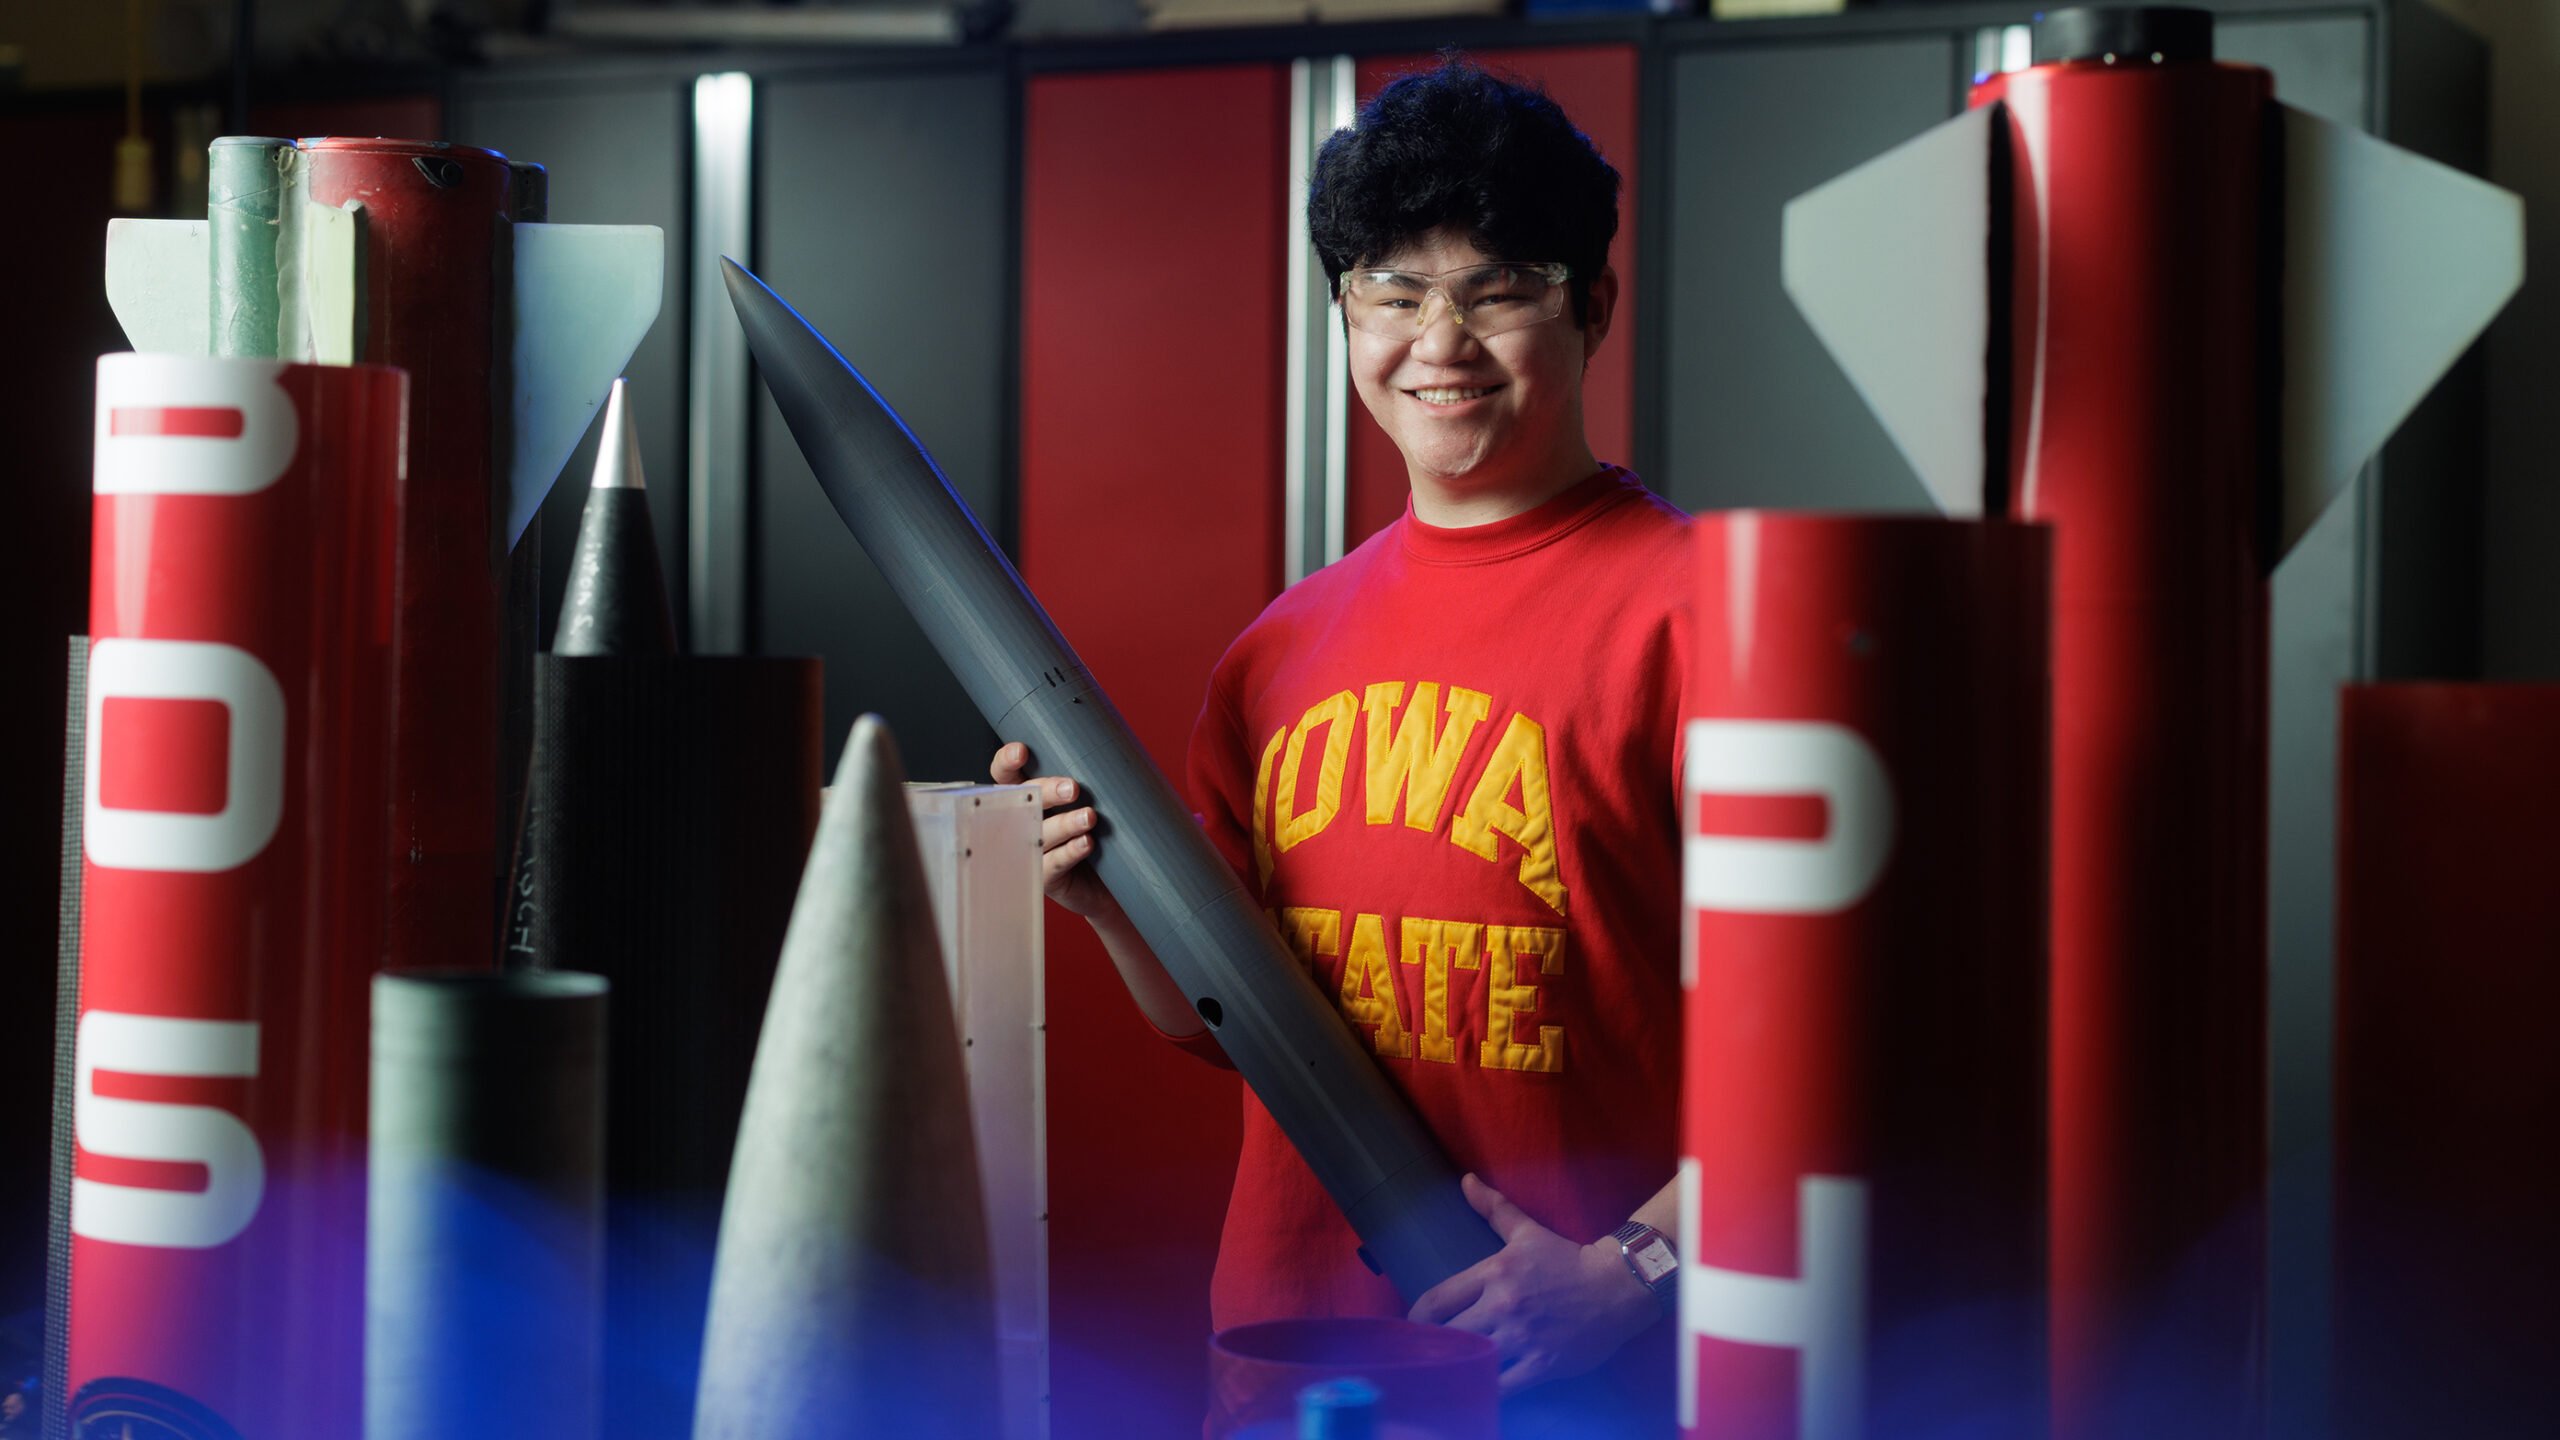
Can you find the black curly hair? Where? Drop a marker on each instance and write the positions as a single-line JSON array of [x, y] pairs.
[[1459, 147]]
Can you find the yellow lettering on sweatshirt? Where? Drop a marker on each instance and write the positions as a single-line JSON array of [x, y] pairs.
[[1519, 759], [1334, 714], [1508, 997], [1436, 945], [1262, 805], [1406, 761], [1368, 998], [1314, 935]]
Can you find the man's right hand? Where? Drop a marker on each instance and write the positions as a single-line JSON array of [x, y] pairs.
[[1067, 837]]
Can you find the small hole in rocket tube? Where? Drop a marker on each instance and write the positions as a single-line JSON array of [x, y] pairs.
[[1210, 1012]]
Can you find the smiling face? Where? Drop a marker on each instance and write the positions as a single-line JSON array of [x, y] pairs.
[[1488, 427]]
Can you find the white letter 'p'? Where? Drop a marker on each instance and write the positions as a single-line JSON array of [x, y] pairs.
[[1760, 875]]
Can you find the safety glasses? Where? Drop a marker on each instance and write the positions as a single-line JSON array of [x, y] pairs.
[[1483, 299]]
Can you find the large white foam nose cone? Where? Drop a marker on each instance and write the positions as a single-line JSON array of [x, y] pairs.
[[852, 1295]]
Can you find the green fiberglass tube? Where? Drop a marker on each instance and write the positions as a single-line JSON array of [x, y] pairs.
[[245, 185]]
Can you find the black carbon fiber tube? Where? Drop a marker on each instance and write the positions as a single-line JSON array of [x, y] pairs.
[[1365, 1145]]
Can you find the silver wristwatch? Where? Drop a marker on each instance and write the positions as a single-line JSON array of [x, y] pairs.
[[1651, 1258]]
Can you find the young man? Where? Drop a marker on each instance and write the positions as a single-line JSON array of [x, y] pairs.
[[1446, 765]]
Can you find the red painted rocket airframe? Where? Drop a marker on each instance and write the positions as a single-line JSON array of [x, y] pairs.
[[2130, 294], [1862, 1174], [238, 678], [292, 744]]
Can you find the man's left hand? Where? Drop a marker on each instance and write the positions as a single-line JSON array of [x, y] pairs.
[[1553, 1308]]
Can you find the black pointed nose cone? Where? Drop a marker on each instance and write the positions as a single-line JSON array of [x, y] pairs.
[[616, 602]]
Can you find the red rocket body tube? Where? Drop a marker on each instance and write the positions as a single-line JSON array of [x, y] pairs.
[[241, 615], [434, 227], [1863, 1145], [2140, 427]]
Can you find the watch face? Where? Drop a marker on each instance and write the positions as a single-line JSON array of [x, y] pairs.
[[1654, 1260]]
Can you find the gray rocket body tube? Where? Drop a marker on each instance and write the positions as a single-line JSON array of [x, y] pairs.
[[1358, 1136]]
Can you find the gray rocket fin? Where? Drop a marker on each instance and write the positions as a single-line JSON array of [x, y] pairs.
[[1889, 264], [2393, 264], [585, 295], [158, 283]]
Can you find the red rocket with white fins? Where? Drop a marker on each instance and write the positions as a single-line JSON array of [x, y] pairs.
[[1862, 1170], [2130, 294]]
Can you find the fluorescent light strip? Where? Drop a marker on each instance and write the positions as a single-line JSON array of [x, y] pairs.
[[716, 453], [1316, 419]]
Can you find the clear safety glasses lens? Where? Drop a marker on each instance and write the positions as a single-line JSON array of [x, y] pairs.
[[1486, 300]]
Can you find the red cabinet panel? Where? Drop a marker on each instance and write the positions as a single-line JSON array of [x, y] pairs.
[[1596, 85], [1153, 289], [2448, 1078]]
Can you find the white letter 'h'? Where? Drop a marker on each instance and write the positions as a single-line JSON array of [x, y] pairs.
[[1821, 1313]]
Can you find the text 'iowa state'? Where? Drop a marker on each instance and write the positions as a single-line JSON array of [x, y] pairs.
[[1411, 753]]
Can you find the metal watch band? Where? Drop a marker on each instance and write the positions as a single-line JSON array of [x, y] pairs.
[[1636, 1235]]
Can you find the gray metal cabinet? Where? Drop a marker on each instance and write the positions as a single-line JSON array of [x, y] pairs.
[[1753, 411]]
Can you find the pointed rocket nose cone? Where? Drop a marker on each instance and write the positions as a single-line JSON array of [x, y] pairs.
[[616, 601], [865, 835], [618, 445], [852, 1294], [785, 345], [870, 760], [863, 906], [745, 289], [796, 360]]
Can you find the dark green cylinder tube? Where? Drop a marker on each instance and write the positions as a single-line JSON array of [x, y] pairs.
[[245, 185], [484, 1253]]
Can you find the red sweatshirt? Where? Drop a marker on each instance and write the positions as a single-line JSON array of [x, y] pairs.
[[1447, 764]]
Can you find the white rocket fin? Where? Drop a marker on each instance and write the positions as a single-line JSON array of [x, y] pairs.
[[584, 297], [2392, 265], [159, 280], [1890, 264]]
